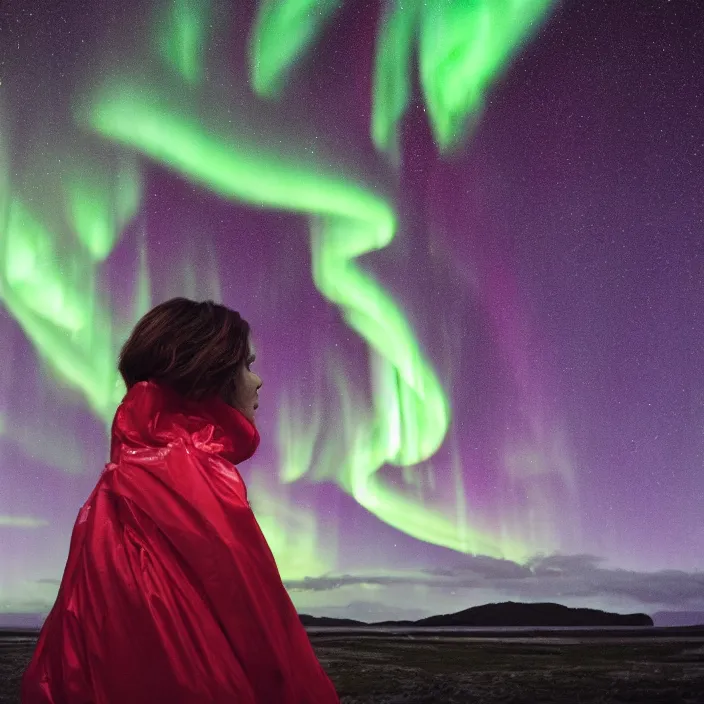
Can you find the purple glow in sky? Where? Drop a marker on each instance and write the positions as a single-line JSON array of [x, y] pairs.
[[549, 271]]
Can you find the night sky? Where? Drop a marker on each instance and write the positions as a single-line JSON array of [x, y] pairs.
[[480, 324]]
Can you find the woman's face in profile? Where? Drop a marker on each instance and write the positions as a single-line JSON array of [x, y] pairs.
[[245, 396]]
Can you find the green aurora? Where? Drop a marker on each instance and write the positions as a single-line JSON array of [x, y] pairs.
[[50, 279]]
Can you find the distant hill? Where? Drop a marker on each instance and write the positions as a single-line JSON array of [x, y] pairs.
[[506, 614], [679, 618], [307, 620]]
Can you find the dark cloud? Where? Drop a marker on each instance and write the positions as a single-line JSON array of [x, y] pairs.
[[471, 570], [482, 567], [554, 577], [564, 564], [575, 580], [581, 575]]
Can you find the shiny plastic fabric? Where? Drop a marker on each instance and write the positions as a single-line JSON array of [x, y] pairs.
[[170, 593]]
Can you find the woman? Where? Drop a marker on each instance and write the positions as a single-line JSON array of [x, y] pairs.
[[170, 593]]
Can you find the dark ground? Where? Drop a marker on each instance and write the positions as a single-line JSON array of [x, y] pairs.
[[466, 670]]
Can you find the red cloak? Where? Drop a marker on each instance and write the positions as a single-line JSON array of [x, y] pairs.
[[170, 592]]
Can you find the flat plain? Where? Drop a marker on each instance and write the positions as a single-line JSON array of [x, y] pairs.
[[447, 669]]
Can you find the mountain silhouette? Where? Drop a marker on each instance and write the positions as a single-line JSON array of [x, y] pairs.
[[506, 614]]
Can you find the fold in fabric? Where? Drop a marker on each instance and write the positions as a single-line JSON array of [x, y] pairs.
[[171, 593]]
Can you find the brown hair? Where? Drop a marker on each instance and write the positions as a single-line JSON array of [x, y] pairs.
[[194, 348]]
